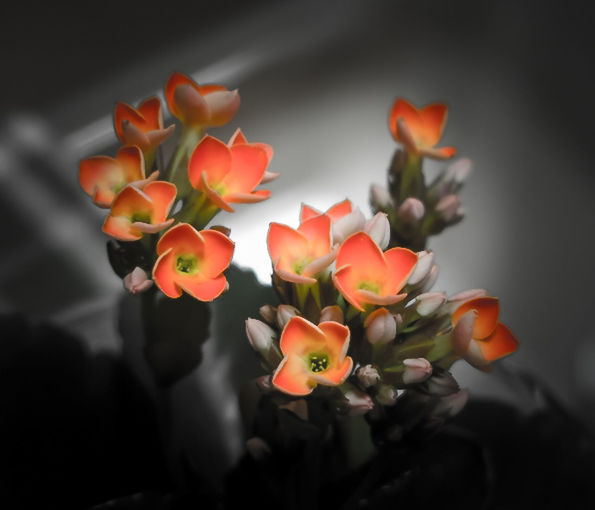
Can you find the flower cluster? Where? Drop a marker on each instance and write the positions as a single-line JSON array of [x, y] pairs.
[[204, 175]]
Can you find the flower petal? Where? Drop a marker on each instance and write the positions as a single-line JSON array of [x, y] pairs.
[[211, 156], [366, 296], [248, 164], [307, 212], [175, 80], [499, 344], [337, 339], [212, 195], [218, 252], [182, 238], [248, 198], [438, 153], [336, 374], [345, 281], [150, 109], [222, 105], [164, 273], [203, 290], [300, 337], [236, 138], [162, 194], [285, 245], [120, 227], [151, 228], [364, 255], [403, 109], [292, 377], [433, 117], [339, 210], [132, 161], [318, 232], [487, 309], [122, 113], [400, 263]]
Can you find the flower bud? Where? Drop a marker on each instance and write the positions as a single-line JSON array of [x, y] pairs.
[[417, 370], [429, 302], [260, 336], [359, 402], [347, 225], [466, 295], [453, 404], [380, 197], [137, 281], [331, 314], [411, 211], [284, 313], [425, 261], [430, 279], [368, 376], [457, 173], [387, 395], [381, 326], [441, 383], [447, 207], [268, 313], [378, 228]]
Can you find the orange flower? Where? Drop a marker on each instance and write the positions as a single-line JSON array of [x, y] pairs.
[[103, 177], [419, 130], [239, 138], [335, 212], [200, 106], [298, 255], [192, 261], [365, 275], [142, 126], [135, 212], [228, 174], [312, 355], [477, 334]]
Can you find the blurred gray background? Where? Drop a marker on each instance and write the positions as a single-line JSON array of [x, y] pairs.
[[317, 80]]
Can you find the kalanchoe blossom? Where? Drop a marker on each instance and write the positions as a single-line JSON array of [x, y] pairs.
[[200, 106], [193, 262], [239, 138], [299, 255], [136, 212], [143, 126], [419, 129], [335, 212], [137, 281], [477, 334], [365, 275], [228, 174], [103, 177], [312, 355]]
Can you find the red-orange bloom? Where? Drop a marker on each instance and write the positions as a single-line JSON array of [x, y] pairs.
[[103, 177], [192, 261], [312, 355], [298, 255], [136, 211], [200, 106], [228, 174], [478, 336], [335, 212], [365, 275], [420, 129], [239, 138], [142, 126]]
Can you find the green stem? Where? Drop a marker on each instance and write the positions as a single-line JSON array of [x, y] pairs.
[[412, 179], [186, 144]]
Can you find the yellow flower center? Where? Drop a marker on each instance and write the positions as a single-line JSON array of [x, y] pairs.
[[318, 362], [370, 286], [142, 216], [187, 264], [300, 265]]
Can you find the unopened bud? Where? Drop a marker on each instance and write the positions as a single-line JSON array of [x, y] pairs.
[[429, 302], [381, 326], [260, 336], [331, 314], [387, 395], [268, 313], [380, 197], [347, 225], [137, 281], [430, 279], [368, 376], [417, 370], [411, 211], [457, 173], [447, 207], [378, 228], [284, 313], [359, 402], [425, 261]]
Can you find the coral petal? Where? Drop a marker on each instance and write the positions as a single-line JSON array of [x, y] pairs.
[[301, 336], [193, 108], [361, 252], [268, 177], [150, 109], [336, 374], [184, 238], [344, 280], [365, 296], [290, 276], [162, 194], [339, 210], [402, 109], [203, 290], [211, 156], [401, 263], [133, 162], [308, 212], [285, 244], [176, 79], [433, 117], [120, 228], [499, 344], [337, 339], [318, 232], [291, 377], [164, 274], [248, 198], [236, 138], [248, 164], [487, 309], [218, 249], [212, 195], [151, 228], [222, 106]]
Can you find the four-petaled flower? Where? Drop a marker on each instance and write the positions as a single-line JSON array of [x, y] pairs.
[[143, 126], [136, 211], [200, 106], [477, 334], [312, 355], [420, 129], [298, 255], [365, 275], [192, 261], [103, 177], [228, 174]]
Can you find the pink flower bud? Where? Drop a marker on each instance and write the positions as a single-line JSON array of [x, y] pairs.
[[447, 207], [387, 395], [368, 376], [332, 314], [347, 225], [284, 313], [380, 197], [378, 228], [137, 281], [417, 370], [429, 302], [359, 402], [430, 279], [411, 211], [425, 261], [260, 336], [381, 326], [268, 313]]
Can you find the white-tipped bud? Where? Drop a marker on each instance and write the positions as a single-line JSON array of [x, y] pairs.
[[441, 384], [447, 207], [381, 327], [359, 402], [368, 376], [387, 395], [430, 280], [378, 228], [268, 313], [453, 404], [137, 281], [429, 302], [425, 261], [331, 314], [417, 370], [258, 448], [347, 225], [411, 211], [456, 173], [466, 295], [285, 313], [380, 197], [260, 335]]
